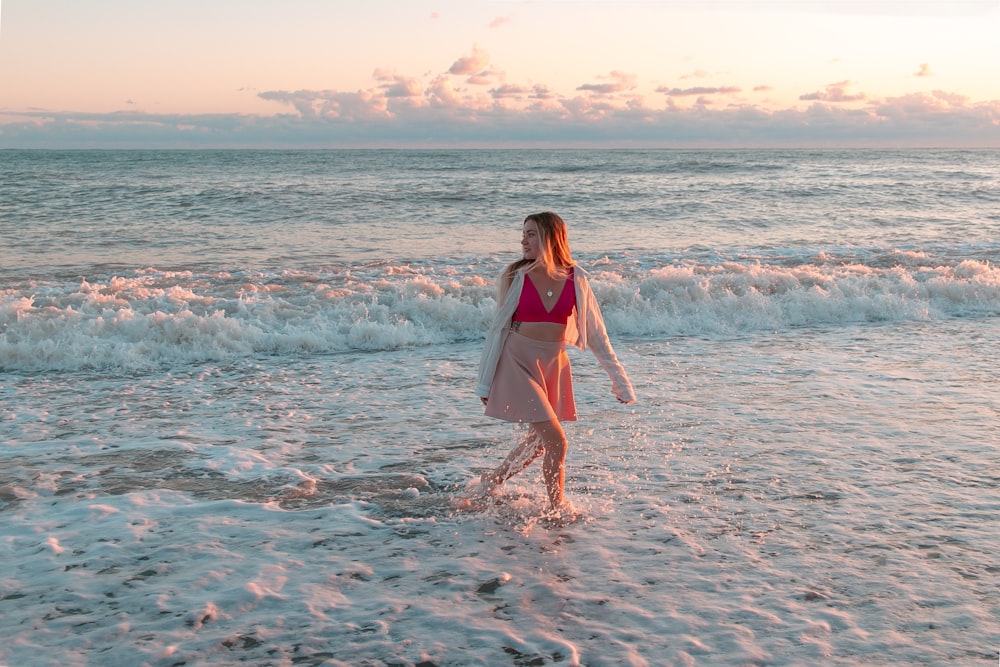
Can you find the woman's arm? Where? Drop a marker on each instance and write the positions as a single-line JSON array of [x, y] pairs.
[[597, 341]]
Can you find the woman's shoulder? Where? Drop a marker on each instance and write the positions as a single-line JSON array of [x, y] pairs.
[[519, 266], [514, 273]]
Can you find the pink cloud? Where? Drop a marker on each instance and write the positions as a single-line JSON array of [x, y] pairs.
[[313, 104], [613, 107], [699, 90], [452, 116], [442, 94], [484, 78], [499, 21], [303, 101], [619, 82], [925, 70], [922, 104], [403, 87], [470, 64], [835, 92], [510, 90], [542, 93], [456, 106]]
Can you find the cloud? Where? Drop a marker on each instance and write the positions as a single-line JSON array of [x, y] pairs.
[[924, 105], [500, 21], [442, 94], [476, 68], [486, 77], [618, 82], [403, 87], [394, 85], [444, 109], [472, 63], [834, 92], [334, 105], [925, 70], [700, 90], [542, 93], [450, 117], [510, 90], [303, 100]]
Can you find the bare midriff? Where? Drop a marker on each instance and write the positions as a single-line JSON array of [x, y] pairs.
[[547, 331]]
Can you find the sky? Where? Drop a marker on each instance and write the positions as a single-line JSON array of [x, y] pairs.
[[499, 73]]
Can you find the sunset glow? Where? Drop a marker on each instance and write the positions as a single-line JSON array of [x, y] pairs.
[[390, 73]]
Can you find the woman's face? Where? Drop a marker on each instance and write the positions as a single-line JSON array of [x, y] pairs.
[[529, 240]]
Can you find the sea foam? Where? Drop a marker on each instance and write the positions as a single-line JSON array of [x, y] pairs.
[[151, 318]]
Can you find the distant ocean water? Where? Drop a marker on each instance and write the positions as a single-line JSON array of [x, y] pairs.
[[236, 409]]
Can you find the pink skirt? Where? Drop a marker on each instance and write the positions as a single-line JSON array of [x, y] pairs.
[[533, 382]]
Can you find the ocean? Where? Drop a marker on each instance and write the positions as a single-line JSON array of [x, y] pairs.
[[237, 418]]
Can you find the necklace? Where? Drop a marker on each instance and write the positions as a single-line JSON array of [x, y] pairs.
[[549, 293]]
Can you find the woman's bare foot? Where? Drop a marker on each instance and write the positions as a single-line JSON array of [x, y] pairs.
[[489, 483]]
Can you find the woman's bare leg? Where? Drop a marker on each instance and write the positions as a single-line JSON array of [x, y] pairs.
[[517, 460], [554, 464], [546, 438]]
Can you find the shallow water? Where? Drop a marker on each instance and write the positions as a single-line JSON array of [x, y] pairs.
[[816, 496], [260, 454]]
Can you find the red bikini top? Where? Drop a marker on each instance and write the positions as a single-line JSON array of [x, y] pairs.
[[531, 309]]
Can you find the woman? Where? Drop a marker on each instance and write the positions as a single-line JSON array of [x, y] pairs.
[[544, 301]]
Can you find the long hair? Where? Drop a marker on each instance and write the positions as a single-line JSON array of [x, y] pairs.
[[553, 251]]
